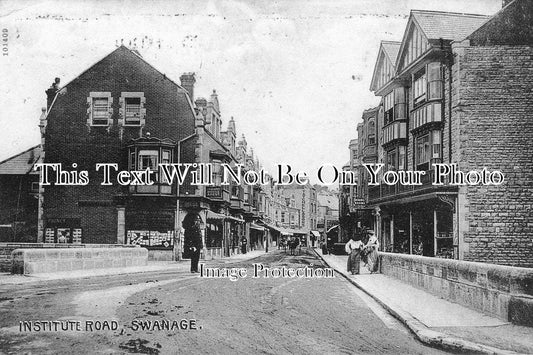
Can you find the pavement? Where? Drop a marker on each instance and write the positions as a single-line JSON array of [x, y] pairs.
[[436, 321], [152, 266]]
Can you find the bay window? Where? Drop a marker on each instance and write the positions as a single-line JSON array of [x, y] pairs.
[[149, 153]]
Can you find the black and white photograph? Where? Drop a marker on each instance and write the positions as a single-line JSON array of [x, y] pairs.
[[266, 177]]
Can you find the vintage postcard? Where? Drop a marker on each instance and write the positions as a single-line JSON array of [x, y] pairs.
[[270, 177]]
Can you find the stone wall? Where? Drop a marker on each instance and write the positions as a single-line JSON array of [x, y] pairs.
[[492, 105], [50, 260], [501, 291], [7, 248]]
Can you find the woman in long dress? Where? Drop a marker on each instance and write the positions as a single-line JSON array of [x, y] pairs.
[[353, 249], [371, 250]]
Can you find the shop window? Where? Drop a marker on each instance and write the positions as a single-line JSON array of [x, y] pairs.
[[63, 234]]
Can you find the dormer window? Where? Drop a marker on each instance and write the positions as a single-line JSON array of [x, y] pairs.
[[99, 111]]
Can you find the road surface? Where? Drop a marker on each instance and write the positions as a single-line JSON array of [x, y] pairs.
[[179, 312]]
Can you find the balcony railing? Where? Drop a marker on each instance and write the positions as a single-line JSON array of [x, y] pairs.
[[394, 131], [384, 191]]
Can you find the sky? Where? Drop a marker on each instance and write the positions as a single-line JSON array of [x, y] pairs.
[[294, 74]]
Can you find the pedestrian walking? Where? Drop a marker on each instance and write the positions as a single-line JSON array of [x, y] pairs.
[[193, 238], [371, 250], [244, 243], [353, 249]]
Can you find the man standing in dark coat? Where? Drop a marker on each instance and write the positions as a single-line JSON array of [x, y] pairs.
[[193, 239]]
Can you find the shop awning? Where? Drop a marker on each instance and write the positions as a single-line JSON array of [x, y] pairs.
[[316, 233], [231, 218], [218, 217], [285, 231], [298, 231], [256, 227], [215, 216]]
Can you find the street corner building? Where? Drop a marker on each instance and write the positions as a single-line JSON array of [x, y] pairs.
[[123, 111], [456, 89]]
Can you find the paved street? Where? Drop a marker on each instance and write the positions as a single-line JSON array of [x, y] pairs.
[[250, 315]]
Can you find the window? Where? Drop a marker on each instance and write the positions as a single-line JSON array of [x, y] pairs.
[[401, 158], [422, 152], [132, 111], [434, 80], [132, 160], [165, 159], [399, 103], [371, 132], [148, 159], [419, 88], [34, 187], [217, 172], [99, 111], [388, 107], [391, 160], [436, 143]]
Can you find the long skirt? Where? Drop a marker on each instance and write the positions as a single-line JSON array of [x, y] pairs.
[[372, 260], [354, 261]]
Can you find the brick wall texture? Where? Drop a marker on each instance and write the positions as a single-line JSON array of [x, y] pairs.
[[68, 139], [492, 115]]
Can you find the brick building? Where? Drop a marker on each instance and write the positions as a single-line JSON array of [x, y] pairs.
[[121, 110], [19, 189], [457, 90]]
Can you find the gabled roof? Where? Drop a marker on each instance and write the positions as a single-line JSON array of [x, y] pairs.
[[387, 54], [436, 25], [135, 53], [447, 25], [21, 163], [392, 49]]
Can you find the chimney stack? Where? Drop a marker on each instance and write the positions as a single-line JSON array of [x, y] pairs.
[[51, 92], [187, 82]]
